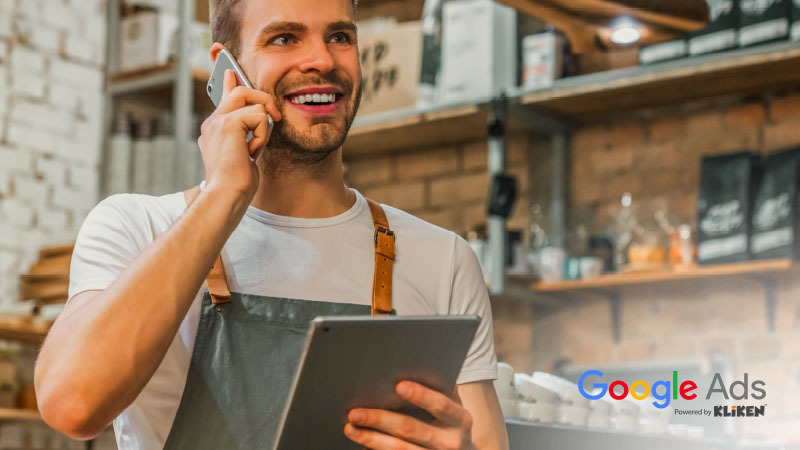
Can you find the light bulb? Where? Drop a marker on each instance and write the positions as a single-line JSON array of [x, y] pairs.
[[624, 31]]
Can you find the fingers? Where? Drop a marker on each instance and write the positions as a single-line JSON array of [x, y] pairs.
[[253, 118], [395, 424], [376, 440], [240, 96], [228, 84], [439, 405]]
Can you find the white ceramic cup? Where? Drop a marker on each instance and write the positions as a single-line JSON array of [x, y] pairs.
[[567, 391], [529, 391], [572, 415], [509, 407], [537, 412]]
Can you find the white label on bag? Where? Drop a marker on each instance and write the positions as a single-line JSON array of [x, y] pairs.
[[662, 52], [768, 240], [718, 248], [764, 31], [712, 42]]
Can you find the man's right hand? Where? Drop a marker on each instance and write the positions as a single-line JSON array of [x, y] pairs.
[[228, 158]]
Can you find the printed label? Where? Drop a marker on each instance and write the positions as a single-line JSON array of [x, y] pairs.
[[662, 52], [764, 31], [718, 248], [712, 42], [768, 240]]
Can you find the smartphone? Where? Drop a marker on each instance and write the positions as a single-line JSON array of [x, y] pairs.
[[214, 87]]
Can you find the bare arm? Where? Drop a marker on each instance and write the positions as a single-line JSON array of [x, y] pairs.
[[106, 345], [488, 424]]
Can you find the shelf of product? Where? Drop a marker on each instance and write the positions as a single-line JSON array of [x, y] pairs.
[[544, 411], [588, 97], [754, 269]]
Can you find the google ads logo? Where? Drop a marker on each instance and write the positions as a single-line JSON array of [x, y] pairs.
[[665, 391]]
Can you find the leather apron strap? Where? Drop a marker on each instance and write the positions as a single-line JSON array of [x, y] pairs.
[[384, 262]]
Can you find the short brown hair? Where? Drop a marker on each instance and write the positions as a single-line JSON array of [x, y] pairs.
[[226, 21]]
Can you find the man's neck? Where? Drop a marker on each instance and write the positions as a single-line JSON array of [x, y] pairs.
[[316, 191]]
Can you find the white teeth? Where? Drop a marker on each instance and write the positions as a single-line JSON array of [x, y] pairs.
[[316, 98]]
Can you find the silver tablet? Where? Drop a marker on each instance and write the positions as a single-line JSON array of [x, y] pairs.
[[356, 361]]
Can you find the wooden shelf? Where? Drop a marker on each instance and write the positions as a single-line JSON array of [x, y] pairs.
[[23, 331], [19, 415], [611, 287], [744, 71], [157, 81], [769, 268]]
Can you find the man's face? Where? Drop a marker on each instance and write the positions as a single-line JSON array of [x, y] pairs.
[[304, 52]]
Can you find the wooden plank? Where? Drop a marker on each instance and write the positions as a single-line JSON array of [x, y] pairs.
[[19, 415], [21, 329], [687, 22], [419, 130], [56, 250], [621, 280], [590, 97]]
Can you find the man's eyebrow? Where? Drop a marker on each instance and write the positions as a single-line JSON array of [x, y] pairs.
[[342, 25], [275, 27]]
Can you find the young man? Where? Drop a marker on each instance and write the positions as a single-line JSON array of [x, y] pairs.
[[178, 364]]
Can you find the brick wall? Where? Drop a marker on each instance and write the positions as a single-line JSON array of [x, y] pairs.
[[655, 155], [447, 186], [51, 84]]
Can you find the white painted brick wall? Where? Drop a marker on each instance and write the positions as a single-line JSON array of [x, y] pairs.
[[51, 92], [52, 54]]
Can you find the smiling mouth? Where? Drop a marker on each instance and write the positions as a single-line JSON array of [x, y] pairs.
[[314, 99]]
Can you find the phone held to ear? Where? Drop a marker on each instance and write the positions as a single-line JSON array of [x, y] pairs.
[[214, 87]]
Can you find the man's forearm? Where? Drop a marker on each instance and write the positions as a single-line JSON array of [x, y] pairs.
[[99, 356]]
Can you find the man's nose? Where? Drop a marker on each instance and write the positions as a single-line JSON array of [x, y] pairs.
[[318, 58]]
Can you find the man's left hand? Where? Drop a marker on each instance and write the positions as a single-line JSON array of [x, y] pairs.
[[381, 429]]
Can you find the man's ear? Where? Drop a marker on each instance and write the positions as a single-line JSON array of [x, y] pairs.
[[215, 49]]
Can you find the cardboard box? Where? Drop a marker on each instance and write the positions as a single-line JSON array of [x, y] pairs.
[[795, 17], [542, 60], [665, 51], [776, 213], [390, 65], [721, 32], [723, 208], [146, 39], [479, 51], [763, 21]]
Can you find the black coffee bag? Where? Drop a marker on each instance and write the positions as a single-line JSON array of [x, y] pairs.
[[763, 21], [776, 217], [795, 32], [723, 208], [720, 34]]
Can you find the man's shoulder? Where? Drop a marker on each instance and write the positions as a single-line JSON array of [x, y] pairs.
[[138, 210], [402, 221]]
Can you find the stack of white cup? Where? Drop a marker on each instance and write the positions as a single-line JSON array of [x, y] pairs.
[[573, 407], [535, 403], [504, 385], [600, 413]]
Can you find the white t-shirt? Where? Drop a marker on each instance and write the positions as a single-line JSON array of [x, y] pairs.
[[329, 259]]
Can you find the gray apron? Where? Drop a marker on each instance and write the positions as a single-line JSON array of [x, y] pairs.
[[246, 351]]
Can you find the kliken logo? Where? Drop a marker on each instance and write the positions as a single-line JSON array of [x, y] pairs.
[[665, 391]]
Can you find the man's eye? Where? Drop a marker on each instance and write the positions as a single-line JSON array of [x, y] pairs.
[[340, 38], [283, 39]]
